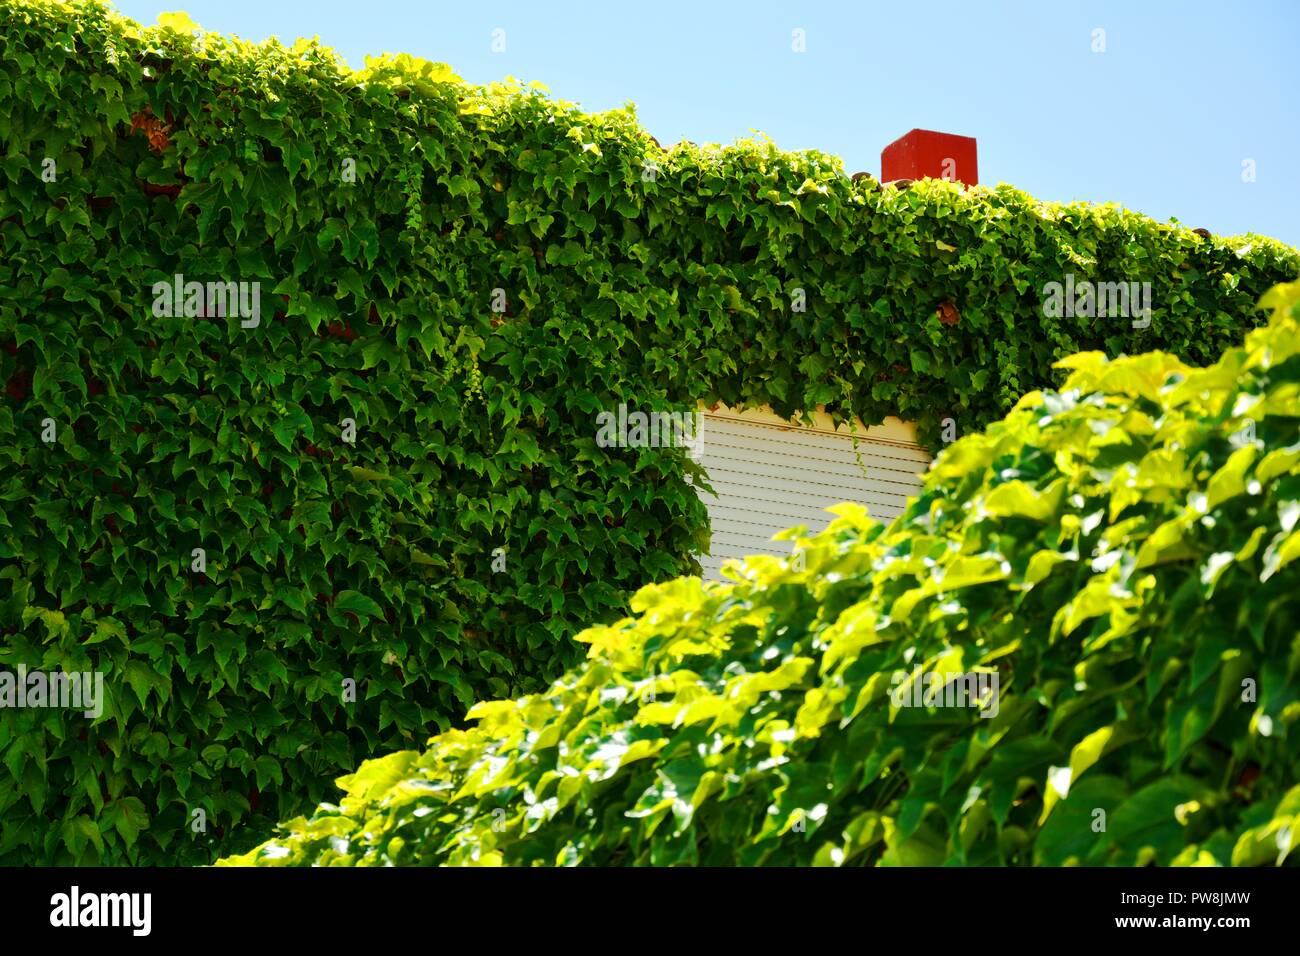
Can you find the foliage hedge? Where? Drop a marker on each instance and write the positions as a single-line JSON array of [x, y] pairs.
[[627, 273], [1120, 552]]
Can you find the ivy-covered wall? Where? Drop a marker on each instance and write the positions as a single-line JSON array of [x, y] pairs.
[[1077, 646], [301, 368]]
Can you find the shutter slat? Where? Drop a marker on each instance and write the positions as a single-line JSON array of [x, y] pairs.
[[769, 478]]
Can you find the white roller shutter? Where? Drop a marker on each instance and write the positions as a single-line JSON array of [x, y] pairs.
[[770, 474]]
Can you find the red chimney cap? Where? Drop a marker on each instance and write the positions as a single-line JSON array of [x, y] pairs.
[[924, 153]]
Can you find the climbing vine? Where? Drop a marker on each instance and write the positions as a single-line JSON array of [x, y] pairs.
[[385, 453]]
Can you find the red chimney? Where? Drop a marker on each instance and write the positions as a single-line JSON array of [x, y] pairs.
[[923, 153]]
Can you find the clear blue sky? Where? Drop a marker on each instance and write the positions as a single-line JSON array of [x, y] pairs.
[[1160, 122]]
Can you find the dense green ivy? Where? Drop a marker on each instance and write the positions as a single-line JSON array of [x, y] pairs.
[[1109, 578], [388, 474], [374, 561]]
